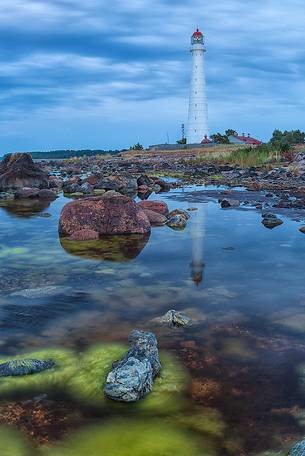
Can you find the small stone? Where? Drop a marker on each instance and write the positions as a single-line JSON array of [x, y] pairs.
[[174, 318], [18, 367], [177, 222], [302, 229]]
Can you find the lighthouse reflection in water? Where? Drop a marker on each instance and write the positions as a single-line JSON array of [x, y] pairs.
[[197, 235]]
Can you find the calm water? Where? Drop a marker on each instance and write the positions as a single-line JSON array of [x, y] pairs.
[[248, 335]]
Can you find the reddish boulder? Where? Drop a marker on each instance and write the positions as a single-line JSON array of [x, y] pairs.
[[155, 218], [19, 170], [84, 235], [156, 206], [111, 213]]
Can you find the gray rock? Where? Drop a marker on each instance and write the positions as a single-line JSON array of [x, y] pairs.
[[227, 203], [177, 222], [302, 229], [132, 378], [298, 449], [174, 318], [18, 367]]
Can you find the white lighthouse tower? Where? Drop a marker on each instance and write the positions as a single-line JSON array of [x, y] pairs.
[[198, 108]]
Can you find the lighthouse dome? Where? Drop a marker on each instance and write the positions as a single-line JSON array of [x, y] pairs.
[[197, 33], [197, 37]]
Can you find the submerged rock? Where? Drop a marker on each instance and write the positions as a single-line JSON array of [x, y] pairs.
[[18, 367], [111, 213], [173, 318], [298, 449], [271, 221], [132, 377], [41, 292]]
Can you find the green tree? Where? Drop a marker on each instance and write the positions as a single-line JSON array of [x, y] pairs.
[[291, 138], [231, 132], [218, 138], [181, 141], [137, 146]]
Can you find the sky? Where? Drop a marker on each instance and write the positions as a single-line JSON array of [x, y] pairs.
[[91, 74]]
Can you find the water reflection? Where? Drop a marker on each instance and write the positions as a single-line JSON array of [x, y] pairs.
[[109, 248], [197, 235], [25, 207]]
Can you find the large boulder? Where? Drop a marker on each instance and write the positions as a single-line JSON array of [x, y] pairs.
[[132, 377], [111, 213], [19, 171]]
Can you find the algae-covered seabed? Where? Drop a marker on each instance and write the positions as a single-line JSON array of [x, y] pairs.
[[231, 383]]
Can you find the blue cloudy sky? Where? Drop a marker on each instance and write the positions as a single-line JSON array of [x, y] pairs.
[[106, 74]]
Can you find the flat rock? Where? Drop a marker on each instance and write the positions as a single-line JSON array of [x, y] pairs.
[[18, 367], [302, 229], [132, 378]]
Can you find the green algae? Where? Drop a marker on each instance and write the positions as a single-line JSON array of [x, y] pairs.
[[56, 378], [168, 393], [136, 438], [95, 364], [13, 444], [13, 251], [87, 385], [203, 420]]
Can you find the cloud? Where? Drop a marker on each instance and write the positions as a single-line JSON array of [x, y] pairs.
[[63, 59]]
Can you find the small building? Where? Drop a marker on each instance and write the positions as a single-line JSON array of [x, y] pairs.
[[246, 140]]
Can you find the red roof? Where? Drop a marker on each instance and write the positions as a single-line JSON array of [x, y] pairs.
[[197, 33], [206, 140], [249, 140]]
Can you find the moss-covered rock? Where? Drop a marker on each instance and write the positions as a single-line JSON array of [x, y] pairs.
[[136, 438], [56, 378], [95, 364]]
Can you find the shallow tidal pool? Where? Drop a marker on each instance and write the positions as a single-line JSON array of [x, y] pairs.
[[232, 383]]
